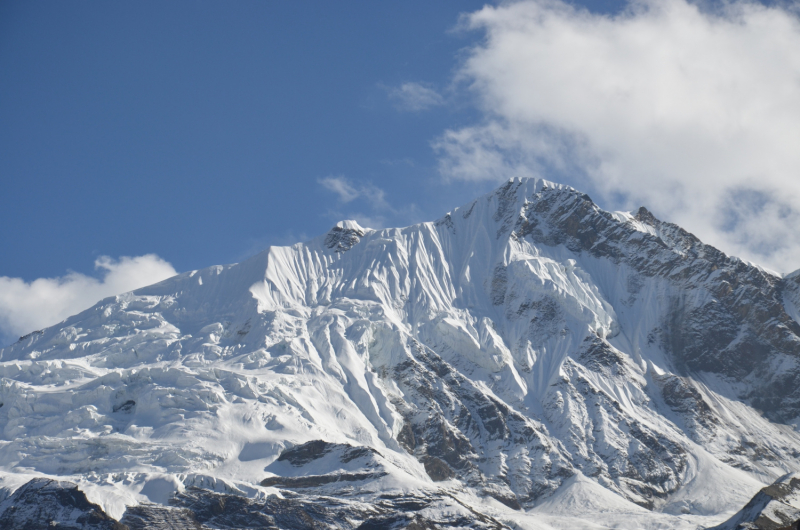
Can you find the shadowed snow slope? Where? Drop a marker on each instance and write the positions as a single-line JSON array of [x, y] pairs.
[[526, 351]]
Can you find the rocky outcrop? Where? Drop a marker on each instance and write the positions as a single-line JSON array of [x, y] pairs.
[[776, 507], [343, 236], [45, 504]]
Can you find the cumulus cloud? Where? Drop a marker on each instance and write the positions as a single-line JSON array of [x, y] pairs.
[[415, 97], [25, 307], [692, 112]]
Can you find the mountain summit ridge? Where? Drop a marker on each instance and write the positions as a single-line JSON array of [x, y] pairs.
[[524, 347]]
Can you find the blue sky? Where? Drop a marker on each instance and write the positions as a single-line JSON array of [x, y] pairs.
[[198, 130], [202, 132]]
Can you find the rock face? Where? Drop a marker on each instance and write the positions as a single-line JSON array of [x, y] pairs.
[[44, 504], [776, 507], [319, 463], [521, 341], [199, 508]]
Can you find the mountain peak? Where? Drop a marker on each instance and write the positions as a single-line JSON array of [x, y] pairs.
[[527, 346], [344, 235], [350, 224]]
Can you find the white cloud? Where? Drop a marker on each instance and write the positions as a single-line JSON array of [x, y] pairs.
[[415, 97], [693, 113], [371, 199], [341, 187], [349, 191], [25, 307]]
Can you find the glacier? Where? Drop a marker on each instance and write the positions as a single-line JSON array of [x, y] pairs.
[[528, 360]]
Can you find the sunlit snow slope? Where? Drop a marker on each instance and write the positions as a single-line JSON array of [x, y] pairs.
[[528, 347]]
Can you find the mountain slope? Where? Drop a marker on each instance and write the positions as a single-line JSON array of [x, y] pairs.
[[518, 342], [776, 507]]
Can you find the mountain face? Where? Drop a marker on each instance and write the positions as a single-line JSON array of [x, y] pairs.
[[776, 507], [528, 359]]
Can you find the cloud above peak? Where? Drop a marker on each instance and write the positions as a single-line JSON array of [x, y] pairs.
[[348, 191], [366, 203], [694, 113], [28, 306]]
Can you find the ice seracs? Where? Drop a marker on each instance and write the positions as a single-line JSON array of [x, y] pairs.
[[526, 350]]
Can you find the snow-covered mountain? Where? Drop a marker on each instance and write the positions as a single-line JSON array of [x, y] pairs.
[[527, 360]]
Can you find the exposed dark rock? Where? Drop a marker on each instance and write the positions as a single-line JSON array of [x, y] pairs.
[[343, 239], [450, 405], [351, 453], [128, 406], [301, 512], [447, 221], [44, 504], [399, 522], [682, 396], [406, 437], [776, 507], [436, 469], [311, 481], [157, 517], [509, 500], [308, 452], [31, 334]]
